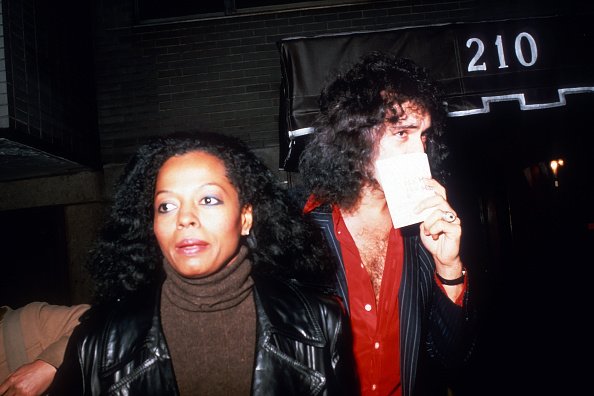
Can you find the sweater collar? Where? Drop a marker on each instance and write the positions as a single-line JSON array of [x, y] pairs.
[[222, 290]]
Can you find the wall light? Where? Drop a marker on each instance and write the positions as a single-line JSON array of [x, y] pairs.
[[555, 164]]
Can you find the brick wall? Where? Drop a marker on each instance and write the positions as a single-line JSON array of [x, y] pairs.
[[224, 73], [220, 73], [47, 97], [3, 82]]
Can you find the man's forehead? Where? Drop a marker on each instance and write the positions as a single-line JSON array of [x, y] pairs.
[[407, 109]]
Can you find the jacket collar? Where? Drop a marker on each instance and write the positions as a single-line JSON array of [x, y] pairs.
[[281, 308]]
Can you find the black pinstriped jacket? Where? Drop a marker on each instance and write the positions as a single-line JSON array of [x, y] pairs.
[[431, 325]]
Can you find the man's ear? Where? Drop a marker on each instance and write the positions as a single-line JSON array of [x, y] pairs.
[[246, 220]]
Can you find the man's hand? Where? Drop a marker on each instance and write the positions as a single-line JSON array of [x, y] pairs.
[[441, 235], [29, 379]]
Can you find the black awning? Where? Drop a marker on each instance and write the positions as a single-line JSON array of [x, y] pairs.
[[535, 62]]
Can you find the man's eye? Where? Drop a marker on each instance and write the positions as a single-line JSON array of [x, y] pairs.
[[165, 207], [209, 201]]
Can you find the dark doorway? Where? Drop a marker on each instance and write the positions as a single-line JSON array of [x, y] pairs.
[[34, 260], [528, 235]]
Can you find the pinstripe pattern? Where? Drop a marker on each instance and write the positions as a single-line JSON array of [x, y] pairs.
[[410, 319], [414, 296], [324, 221], [417, 301]]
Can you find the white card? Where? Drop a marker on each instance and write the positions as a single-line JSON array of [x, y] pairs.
[[401, 178]]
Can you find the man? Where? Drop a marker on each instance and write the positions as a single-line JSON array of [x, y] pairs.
[[405, 289], [33, 339]]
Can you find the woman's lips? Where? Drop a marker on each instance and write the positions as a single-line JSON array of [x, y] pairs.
[[190, 247]]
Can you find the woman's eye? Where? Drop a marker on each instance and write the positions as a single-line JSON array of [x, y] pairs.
[[165, 207], [209, 201]]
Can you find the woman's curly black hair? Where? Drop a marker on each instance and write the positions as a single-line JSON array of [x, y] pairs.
[[339, 160], [126, 257]]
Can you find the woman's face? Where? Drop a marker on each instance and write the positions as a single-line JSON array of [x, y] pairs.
[[197, 219]]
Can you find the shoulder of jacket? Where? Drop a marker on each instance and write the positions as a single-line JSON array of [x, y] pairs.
[[134, 306], [294, 291], [119, 324], [297, 310]]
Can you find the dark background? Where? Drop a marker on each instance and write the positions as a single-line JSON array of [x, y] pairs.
[[531, 240]]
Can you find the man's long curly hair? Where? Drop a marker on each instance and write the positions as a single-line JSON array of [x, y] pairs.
[[126, 257], [339, 160]]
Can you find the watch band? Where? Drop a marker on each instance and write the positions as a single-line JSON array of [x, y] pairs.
[[452, 282]]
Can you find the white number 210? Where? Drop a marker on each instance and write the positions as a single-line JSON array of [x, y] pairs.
[[475, 66]]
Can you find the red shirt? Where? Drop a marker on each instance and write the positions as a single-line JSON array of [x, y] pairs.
[[375, 327]]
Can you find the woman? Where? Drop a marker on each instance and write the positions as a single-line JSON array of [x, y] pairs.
[[203, 264]]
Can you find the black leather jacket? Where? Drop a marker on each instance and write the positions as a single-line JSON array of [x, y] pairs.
[[303, 348]]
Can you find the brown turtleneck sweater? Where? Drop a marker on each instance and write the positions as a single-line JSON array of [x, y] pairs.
[[210, 328]]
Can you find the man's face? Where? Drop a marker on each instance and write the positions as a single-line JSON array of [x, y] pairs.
[[408, 134]]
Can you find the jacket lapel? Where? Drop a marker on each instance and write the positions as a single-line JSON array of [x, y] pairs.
[[324, 221], [410, 320]]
